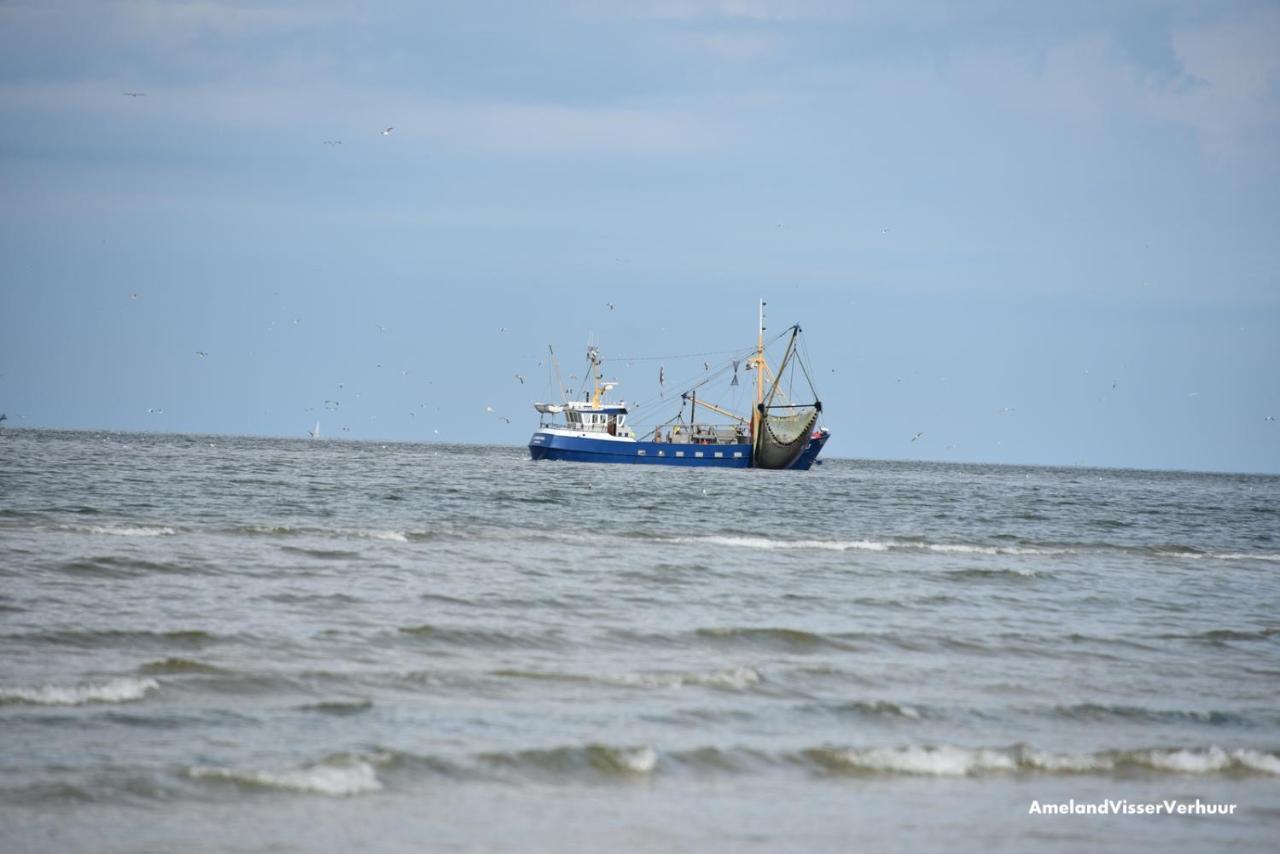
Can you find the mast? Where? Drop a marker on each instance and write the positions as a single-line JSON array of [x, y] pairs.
[[555, 363], [755, 410]]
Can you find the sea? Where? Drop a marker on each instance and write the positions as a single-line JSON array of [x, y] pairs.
[[229, 644]]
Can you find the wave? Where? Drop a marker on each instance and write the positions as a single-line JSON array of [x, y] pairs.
[[457, 636], [335, 778], [1190, 553], [121, 690], [734, 678], [771, 544], [323, 554], [1000, 574], [1220, 635], [873, 709], [950, 761], [131, 530], [125, 567], [339, 708], [788, 640], [178, 666], [916, 545], [1101, 712], [92, 639], [597, 759], [392, 536]]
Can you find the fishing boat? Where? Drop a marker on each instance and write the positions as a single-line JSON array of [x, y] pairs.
[[779, 432]]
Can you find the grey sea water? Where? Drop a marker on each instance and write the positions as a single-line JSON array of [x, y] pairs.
[[237, 644]]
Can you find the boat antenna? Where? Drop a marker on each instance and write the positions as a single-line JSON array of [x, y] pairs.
[[759, 362], [555, 363]]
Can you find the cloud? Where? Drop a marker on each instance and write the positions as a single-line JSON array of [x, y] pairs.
[[1232, 96]]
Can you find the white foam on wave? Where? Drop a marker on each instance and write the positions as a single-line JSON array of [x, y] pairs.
[[1210, 761], [1188, 761], [131, 530], [869, 546], [393, 536], [335, 780], [122, 690], [637, 760], [1255, 760], [961, 548], [766, 543], [929, 761], [1068, 763], [735, 677]]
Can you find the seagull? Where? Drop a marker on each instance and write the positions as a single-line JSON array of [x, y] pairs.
[[3, 418], [610, 306], [135, 94], [201, 353], [387, 131], [154, 411], [1268, 418], [333, 142], [134, 295], [502, 331], [917, 436], [520, 378], [705, 366]]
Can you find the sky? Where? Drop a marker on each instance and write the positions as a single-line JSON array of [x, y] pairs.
[[1034, 233]]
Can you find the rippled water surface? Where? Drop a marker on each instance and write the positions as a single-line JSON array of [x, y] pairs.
[[231, 644]]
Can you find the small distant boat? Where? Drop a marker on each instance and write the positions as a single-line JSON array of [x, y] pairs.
[[779, 433], [314, 433]]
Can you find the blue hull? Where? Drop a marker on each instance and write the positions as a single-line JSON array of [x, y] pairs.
[[549, 446]]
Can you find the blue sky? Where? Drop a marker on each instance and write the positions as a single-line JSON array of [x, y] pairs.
[[1037, 233]]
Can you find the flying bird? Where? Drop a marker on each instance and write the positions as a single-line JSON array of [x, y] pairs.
[[520, 378], [333, 142], [387, 131], [917, 436], [135, 94], [610, 306], [201, 353], [1268, 418]]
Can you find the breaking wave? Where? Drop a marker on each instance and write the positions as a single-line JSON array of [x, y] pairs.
[[122, 690], [132, 530], [915, 545], [948, 761], [337, 778], [734, 678], [601, 759]]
